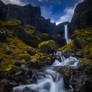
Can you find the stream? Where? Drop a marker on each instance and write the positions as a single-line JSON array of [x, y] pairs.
[[50, 80]]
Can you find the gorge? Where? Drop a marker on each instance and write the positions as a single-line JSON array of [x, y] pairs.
[[39, 56]]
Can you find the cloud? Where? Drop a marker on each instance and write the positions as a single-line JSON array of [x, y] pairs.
[[40, 0], [46, 12], [17, 2], [67, 17], [68, 14]]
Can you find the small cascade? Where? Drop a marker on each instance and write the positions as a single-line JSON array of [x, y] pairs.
[[66, 34], [50, 80]]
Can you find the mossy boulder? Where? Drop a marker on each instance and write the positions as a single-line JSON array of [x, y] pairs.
[[42, 59], [47, 46]]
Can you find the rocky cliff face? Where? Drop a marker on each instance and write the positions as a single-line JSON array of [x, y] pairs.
[[3, 10], [60, 27], [30, 15], [83, 15]]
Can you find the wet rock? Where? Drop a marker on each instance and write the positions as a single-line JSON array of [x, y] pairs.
[[26, 89], [82, 77], [7, 50], [3, 35], [47, 86], [17, 90], [5, 86], [78, 79], [66, 73]]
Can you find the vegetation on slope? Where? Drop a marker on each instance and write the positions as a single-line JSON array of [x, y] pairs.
[[23, 44]]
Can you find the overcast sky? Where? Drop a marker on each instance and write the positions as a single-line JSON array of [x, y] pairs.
[[57, 10]]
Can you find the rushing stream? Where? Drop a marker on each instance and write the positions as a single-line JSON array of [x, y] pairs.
[[50, 80]]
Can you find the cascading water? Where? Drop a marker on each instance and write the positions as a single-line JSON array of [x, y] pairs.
[[50, 80], [66, 34]]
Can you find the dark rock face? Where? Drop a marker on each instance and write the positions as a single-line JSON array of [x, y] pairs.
[[30, 15], [83, 16], [3, 10], [60, 27]]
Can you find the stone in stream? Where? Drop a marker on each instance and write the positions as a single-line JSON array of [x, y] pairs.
[[5, 86], [26, 89]]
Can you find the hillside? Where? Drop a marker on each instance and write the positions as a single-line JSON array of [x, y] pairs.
[[34, 56]]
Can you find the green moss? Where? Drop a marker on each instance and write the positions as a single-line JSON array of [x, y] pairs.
[[47, 46], [17, 50], [41, 57], [86, 66], [11, 22], [85, 37], [68, 47]]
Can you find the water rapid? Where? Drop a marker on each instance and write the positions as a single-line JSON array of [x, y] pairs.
[[50, 80]]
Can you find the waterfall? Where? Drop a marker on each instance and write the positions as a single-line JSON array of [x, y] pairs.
[[50, 80], [66, 34]]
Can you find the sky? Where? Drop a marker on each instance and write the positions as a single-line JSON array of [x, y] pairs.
[[57, 10]]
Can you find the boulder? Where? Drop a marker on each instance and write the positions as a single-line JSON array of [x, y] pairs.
[[5, 86], [66, 73], [3, 35]]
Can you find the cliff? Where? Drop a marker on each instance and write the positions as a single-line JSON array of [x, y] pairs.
[[3, 10], [30, 15], [82, 16]]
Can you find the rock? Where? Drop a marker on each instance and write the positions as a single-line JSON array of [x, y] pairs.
[[32, 16], [47, 86], [31, 51], [78, 79], [18, 63], [17, 90], [26, 89], [82, 77], [82, 17], [3, 10], [66, 73], [60, 28], [7, 50], [3, 35], [5, 86]]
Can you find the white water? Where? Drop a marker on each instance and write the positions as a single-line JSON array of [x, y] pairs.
[[66, 34], [52, 81]]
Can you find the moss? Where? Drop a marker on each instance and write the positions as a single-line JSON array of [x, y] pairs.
[[17, 49], [10, 22], [47, 46], [68, 47], [86, 66], [41, 57], [84, 36]]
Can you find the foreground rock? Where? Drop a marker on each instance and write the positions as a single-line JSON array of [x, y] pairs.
[[5, 86], [80, 78]]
